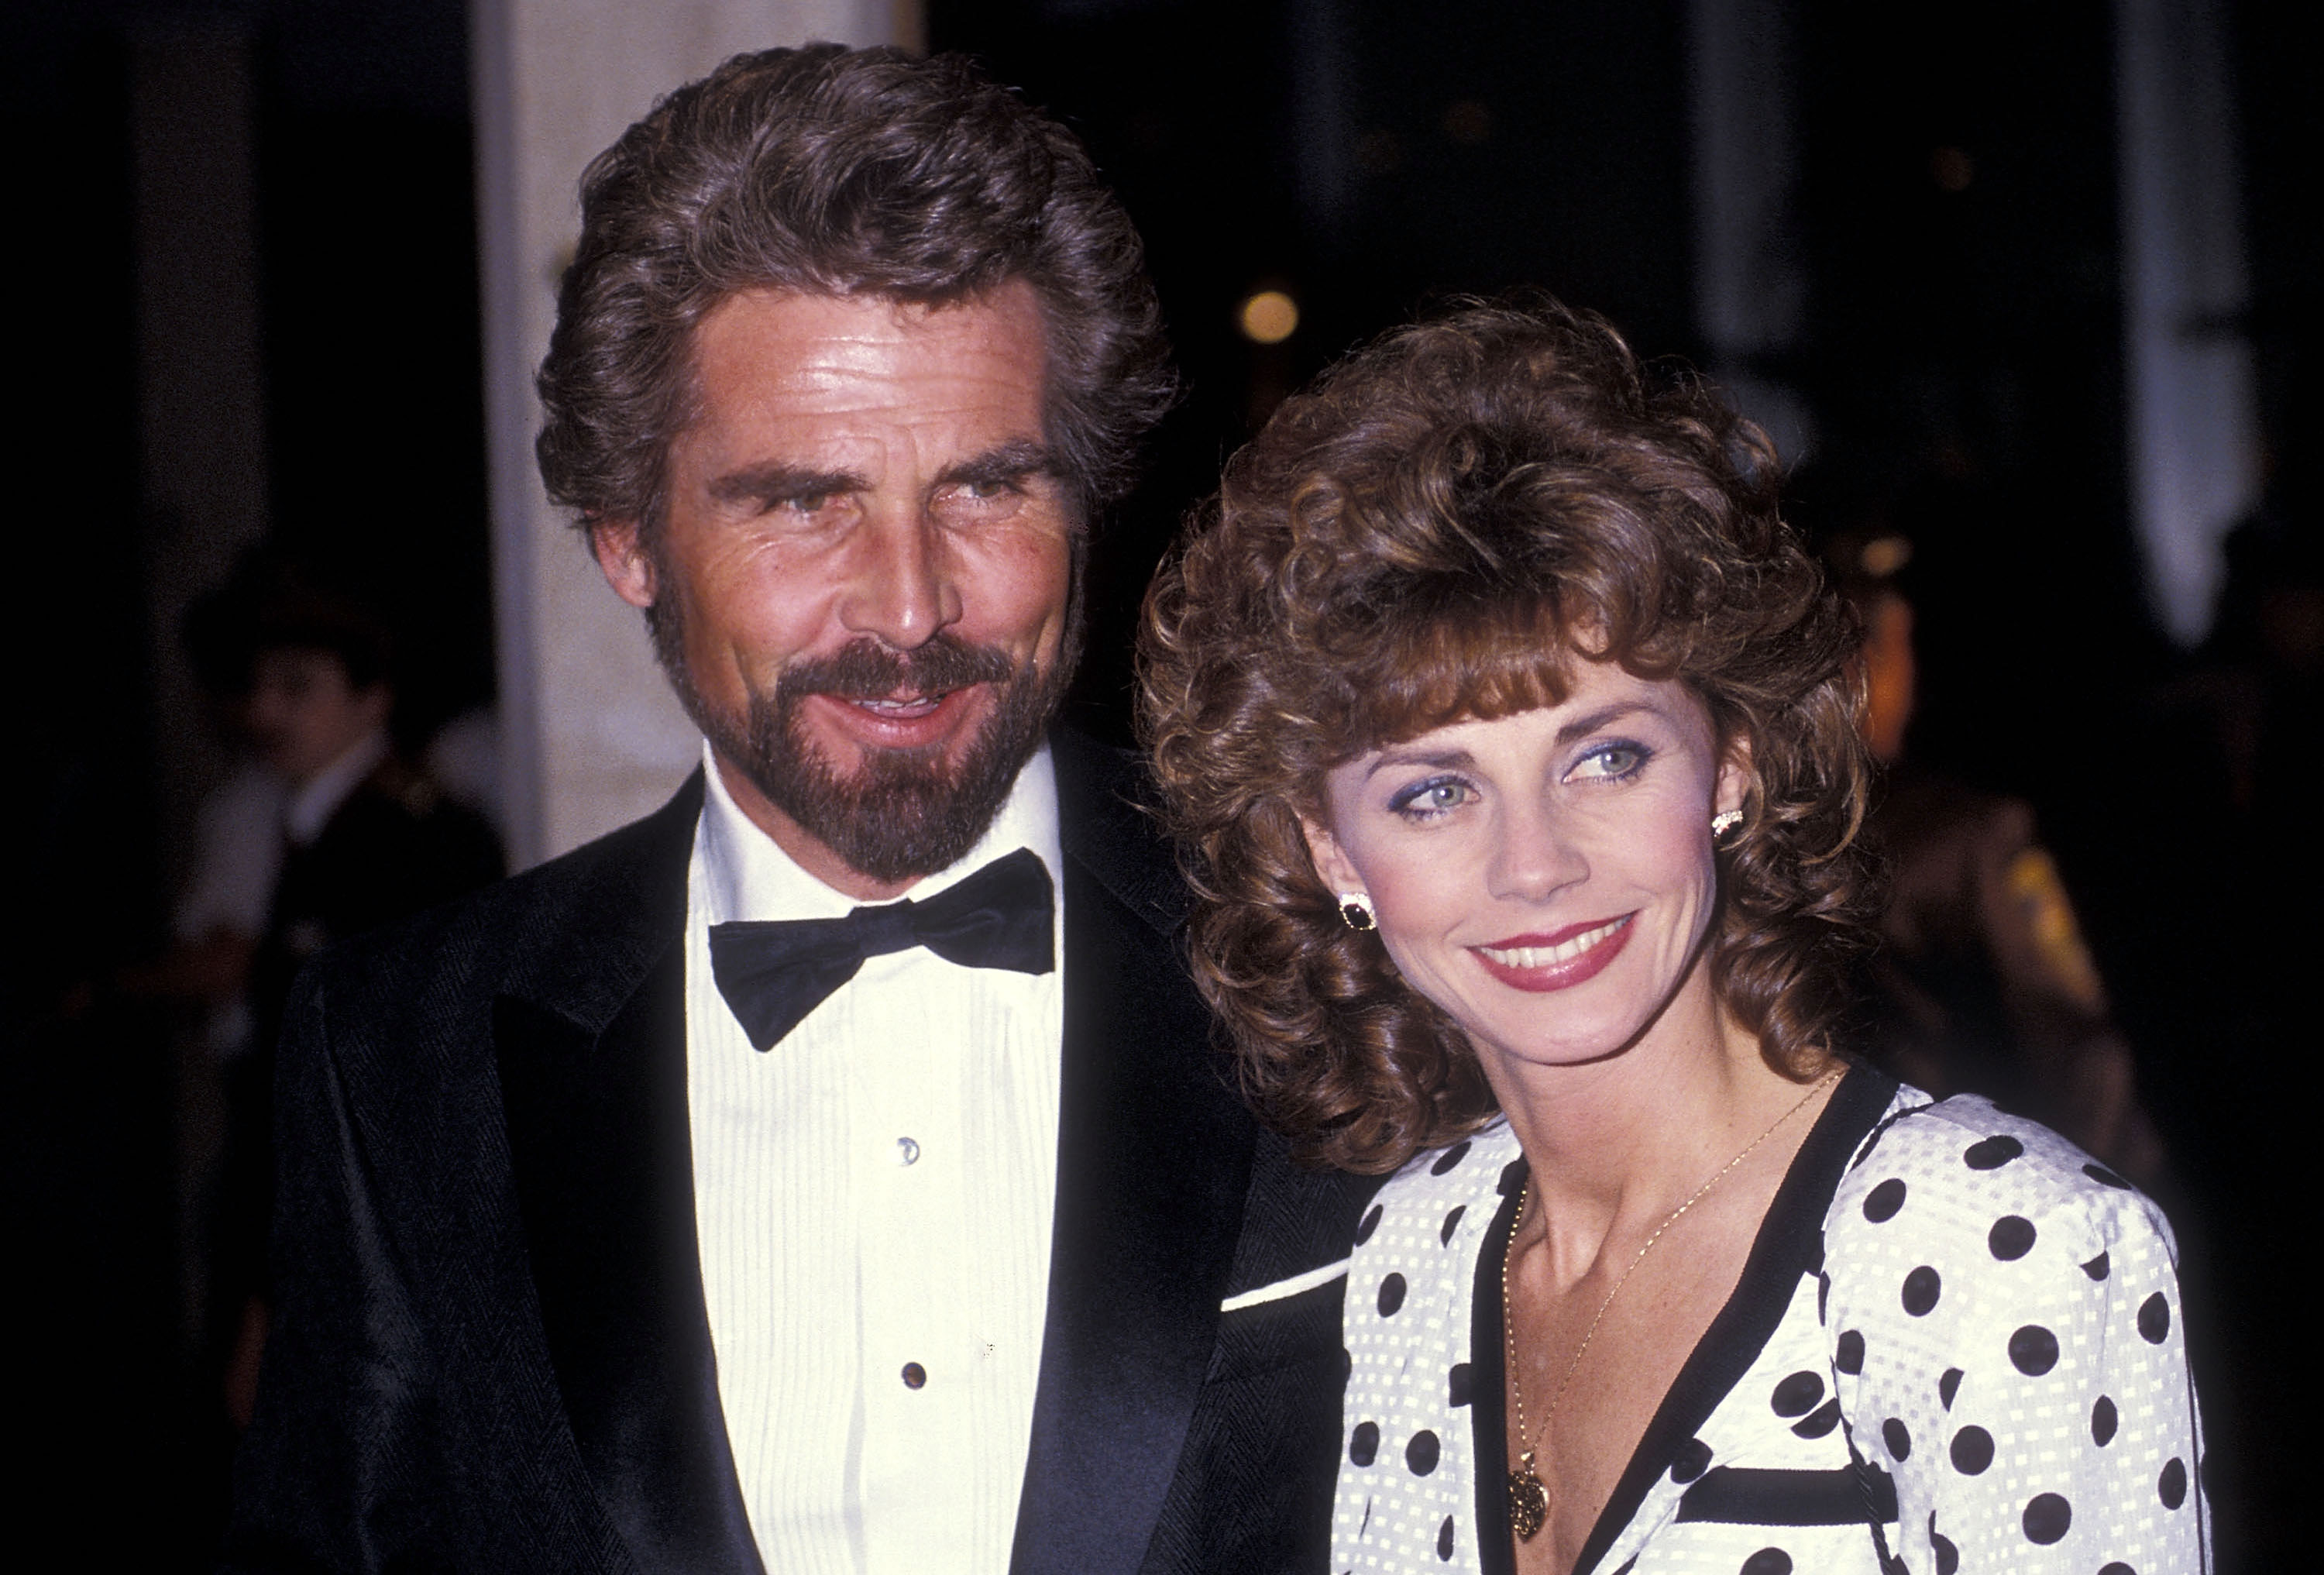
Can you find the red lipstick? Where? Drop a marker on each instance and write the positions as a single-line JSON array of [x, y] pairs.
[[1526, 962]]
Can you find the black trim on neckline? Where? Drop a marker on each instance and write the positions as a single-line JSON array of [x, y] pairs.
[[1759, 1496], [1789, 1244]]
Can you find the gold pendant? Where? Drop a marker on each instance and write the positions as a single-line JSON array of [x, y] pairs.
[[1529, 1499]]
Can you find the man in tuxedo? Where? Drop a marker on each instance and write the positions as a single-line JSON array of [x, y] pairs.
[[830, 1171]]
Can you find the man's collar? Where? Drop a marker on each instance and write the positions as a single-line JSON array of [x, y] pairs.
[[310, 807], [747, 876]]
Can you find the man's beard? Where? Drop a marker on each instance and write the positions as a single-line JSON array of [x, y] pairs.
[[906, 812]]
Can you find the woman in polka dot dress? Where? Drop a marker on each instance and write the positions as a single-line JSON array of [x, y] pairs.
[[1511, 737]]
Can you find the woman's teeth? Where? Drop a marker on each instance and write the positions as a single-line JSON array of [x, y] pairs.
[[1563, 952]]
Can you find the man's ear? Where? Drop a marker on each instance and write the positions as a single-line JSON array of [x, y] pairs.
[[620, 548]]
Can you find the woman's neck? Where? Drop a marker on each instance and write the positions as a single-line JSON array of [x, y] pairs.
[[1616, 1144]]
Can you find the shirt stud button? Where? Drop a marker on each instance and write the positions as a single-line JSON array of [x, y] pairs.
[[915, 1374], [907, 1151]]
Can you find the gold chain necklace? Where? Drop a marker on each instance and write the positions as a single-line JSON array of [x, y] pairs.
[[1529, 1499]]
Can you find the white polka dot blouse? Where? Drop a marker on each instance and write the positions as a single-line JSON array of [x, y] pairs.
[[1957, 1345]]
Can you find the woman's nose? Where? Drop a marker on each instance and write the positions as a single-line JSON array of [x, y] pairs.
[[1534, 856]]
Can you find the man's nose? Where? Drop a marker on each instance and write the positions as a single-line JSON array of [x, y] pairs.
[[1534, 856], [901, 589]]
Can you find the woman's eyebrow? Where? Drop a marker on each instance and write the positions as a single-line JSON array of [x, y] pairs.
[[1582, 726], [1441, 760]]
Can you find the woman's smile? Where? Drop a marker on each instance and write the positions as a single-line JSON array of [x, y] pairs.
[[1558, 961]]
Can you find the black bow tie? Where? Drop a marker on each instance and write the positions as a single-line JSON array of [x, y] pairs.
[[773, 972]]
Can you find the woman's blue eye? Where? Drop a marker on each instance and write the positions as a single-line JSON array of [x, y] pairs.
[[1431, 797], [1612, 762]]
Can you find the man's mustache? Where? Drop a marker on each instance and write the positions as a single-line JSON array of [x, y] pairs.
[[869, 670]]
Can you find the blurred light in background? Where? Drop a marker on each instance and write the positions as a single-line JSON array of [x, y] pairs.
[[1952, 169], [1267, 317]]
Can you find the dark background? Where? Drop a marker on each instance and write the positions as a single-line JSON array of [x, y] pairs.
[[1962, 358]]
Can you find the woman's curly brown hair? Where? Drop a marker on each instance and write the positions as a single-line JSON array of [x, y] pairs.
[[1433, 533]]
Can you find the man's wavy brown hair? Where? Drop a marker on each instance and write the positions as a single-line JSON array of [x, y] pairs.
[[837, 171], [1435, 533]]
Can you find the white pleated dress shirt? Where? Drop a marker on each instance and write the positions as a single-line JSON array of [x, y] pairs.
[[874, 1198]]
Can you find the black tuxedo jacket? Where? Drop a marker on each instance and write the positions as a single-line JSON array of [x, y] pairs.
[[489, 1348]]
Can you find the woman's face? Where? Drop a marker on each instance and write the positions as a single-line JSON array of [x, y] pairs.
[[1547, 877]]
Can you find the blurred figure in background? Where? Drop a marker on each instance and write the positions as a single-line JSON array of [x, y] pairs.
[[359, 837], [1983, 984]]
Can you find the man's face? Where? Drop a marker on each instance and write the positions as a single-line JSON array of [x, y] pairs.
[[303, 713], [861, 587]]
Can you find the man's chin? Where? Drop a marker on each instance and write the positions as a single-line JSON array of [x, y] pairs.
[[893, 814]]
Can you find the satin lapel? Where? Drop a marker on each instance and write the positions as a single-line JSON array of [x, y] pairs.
[[592, 1055], [1154, 1157]]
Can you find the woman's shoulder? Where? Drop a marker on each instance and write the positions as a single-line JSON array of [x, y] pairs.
[[1468, 1177], [1933, 1171]]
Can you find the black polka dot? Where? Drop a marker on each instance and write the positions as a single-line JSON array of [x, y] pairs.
[[1922, 1288], [1797, 1394], [1391, 1295], [1768, 1562], [1363, 1443], [1457, 1385], [1694, 1460], [2105, 1177], [1898, 1438], [1948, 1385], [1819, 1421], [2011, 1237], [2154, 1319], [1948, 1555], [1450, 1158], [2032, 1350], [1848, 1355], [1371, 1223], [1444, 1540], [2117, 1568], [2172, 1484], [2047, 1518], [1421, 1454], [1880, 1206], [2097, 1267], [2103, 1421], [1972, 1450], [1991, 1153], [1451, 1223], [1824, 1296]]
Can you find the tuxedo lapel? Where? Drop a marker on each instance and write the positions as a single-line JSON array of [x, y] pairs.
[[1153, 1164], [591, 1049]]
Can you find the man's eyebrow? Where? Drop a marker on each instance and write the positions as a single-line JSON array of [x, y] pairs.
[[1007, 463], [777, 483]]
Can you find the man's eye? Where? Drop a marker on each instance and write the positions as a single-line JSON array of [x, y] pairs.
[[808, 503]]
